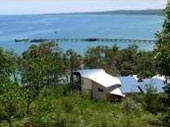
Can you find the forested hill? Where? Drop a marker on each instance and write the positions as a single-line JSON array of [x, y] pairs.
[[158, 12], [133, 12]]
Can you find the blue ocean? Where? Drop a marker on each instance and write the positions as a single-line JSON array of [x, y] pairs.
[[78, 26]]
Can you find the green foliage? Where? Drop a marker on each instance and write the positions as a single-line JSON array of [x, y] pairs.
[[162, 51], [119, 62], [131, 110], [145, 74], [162, 59], [77, 110], [33, 92], [152, 101], [11, 94], [7, 66], [40, 65], [50, 109], [72, 62], [94, 57], [145, 62], [12, 102]]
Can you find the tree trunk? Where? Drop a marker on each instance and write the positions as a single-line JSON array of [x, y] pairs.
[[9, 122], [28, 107]]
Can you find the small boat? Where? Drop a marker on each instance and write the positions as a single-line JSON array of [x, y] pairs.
[[21, 39]]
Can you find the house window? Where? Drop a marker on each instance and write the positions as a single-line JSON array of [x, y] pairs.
[[100, 90]]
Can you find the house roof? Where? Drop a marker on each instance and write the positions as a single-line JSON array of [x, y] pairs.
[[100, 76], [160, 77], [117, 91], [156, 83], [130, 84]]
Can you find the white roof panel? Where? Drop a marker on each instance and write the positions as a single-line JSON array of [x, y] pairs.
[[129, 84], [100, 76], [160, 77], [117, 91]]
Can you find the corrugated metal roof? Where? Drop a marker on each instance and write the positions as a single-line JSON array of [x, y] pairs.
[[130, 84], [100, 76], [156, 83]]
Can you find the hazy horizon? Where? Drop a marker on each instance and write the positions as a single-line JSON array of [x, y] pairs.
[[10, 7]]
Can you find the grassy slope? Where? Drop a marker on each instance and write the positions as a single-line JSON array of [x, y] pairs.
[[57, 108]]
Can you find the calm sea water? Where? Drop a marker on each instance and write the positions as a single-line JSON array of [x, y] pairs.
[[78, 26]]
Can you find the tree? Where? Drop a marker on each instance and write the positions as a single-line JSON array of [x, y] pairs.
[[11, 94], [12, 104], [112, 60], [145, 74], [145, 62], [162, 59], [94, 57], [151, 100], [131, 109], [40, 65], [7, 66], [129, 60], [119, 61], [73, 62], [103, 57]]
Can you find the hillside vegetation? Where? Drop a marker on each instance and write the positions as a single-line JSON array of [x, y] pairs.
[[35, 89], [55, 108]]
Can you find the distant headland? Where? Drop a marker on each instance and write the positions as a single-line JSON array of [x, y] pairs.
[[158, 12]]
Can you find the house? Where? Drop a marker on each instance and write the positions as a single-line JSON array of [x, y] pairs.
[[97, 83]]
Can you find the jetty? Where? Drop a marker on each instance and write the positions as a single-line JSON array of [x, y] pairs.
[[95, 40], [106, 40]]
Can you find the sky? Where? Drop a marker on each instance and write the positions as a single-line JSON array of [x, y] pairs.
[[9, 7]]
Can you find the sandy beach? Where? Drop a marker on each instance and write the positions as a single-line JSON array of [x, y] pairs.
[[73, 6]]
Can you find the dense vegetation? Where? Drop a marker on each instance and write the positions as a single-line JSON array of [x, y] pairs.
[[162, 60], [120, 62], [35, 90]]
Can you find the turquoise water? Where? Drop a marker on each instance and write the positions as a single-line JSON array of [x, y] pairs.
[[78, 26]]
